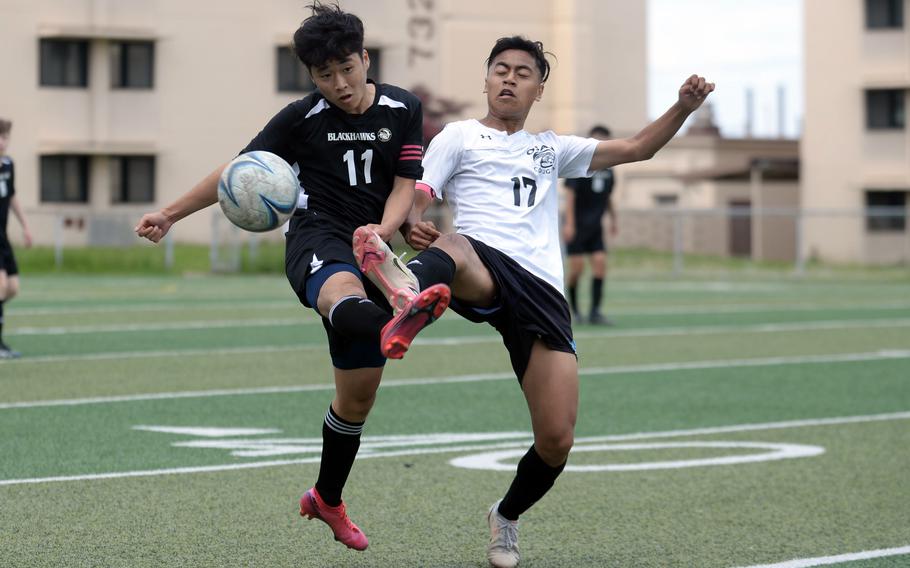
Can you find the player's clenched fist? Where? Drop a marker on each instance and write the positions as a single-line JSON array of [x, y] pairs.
[[694, 91]]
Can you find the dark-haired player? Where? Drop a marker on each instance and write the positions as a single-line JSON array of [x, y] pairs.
[[9, 270], [357, 145], [587, 200], [504, 264]]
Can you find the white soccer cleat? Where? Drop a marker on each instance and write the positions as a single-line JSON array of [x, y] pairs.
[[384, 269], [502, 552]]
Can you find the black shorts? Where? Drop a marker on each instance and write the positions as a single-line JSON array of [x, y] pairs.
[[312, 246], [8, 259], [589, 237], [527, 309]]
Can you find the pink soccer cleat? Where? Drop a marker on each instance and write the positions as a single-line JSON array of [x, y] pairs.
[[384, 269], [421, 311], [346, 532]]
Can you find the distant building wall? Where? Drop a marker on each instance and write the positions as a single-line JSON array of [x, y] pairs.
[[215, 81]]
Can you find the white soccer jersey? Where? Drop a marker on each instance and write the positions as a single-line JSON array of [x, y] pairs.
[[503, 188]]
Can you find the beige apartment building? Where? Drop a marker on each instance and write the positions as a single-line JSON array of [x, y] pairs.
[[856, 145], [119, 106]]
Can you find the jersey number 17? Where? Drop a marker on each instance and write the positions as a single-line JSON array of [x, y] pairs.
[[524, 183]]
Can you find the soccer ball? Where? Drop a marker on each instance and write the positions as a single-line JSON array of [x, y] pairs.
[[258, 191]]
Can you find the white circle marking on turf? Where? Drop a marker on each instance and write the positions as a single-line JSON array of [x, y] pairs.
[[494, 460]]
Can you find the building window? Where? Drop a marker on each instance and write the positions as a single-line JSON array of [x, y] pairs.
[[64, 63], [64, 179], [886, 109], [375, 70], [133, 179], [886, 211], [132, 64], [666, 200], [884, 14], [293, 77]]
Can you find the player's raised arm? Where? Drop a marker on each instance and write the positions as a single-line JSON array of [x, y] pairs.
[[655, 136], [153, 226]]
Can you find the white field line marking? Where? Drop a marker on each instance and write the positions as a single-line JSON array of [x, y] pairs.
[[487, 338], [263, 322], [493, 461], [450, 449], [161, 326], [209, 432], [839, 559], [625, 369], [682, 309], [219, 305]]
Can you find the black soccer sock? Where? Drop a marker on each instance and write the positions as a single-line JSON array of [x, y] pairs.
[[573, 298], [532, 480], [340, 442], [433, 266], [597, 287], [358, 318]]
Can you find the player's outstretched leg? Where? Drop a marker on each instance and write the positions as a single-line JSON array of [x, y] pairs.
[[384, 269], [346, 532], [424, 309], [502, 552], [414, 310]]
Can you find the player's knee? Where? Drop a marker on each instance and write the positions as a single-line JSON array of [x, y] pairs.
[[554, 445], [356, 406], [454, 245]]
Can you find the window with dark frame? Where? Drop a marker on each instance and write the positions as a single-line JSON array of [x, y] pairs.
[[886, 211], [884, 14], [886, 109], [132, 179], [64, 179], [666, 199], [64, 62], [375, 70], [293, 77], [132, 64]]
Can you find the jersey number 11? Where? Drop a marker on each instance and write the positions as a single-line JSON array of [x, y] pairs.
[[366, 158]]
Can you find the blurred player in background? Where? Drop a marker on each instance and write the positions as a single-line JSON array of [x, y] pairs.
[[587, 200], [358, 147], [505, 262], [9, 270]]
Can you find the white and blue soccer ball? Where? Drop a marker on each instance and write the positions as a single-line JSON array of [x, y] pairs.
[[258, 191]]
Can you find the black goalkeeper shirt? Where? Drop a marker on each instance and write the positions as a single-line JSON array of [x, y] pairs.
[[347, 163]]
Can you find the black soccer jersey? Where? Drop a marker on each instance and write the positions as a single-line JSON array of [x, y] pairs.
[[347, 162], [591, 196], [7, 190]]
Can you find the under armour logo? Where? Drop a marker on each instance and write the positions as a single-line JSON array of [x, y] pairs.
[[315, 264]]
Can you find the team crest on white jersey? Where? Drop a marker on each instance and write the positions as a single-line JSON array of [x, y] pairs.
[[544, 158]]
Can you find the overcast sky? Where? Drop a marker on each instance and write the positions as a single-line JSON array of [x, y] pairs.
[[738, 44]]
